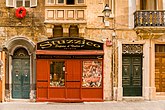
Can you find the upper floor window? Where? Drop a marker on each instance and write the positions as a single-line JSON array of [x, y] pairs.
[[57, 31], [148, 4], [50, 1], [67, 2], [60, 1], [19, 3], [70, 2], [73, 31], [80, 1], [25, 3]]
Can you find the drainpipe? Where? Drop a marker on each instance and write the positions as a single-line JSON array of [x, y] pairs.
[[150, 65], [113, 51]]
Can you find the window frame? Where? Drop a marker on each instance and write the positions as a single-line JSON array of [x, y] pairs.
[[64, 3], [57, 83], [99, 78], [73, 31], [58, 28], [9, 3]]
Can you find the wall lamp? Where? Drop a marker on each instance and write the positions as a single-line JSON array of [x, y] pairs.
[[106, 12]]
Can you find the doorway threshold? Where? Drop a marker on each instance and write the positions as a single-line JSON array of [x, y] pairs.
[[20, 100], [133, 99]]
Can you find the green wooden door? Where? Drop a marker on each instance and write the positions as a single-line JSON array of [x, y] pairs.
[[21, 78], [132, 75]]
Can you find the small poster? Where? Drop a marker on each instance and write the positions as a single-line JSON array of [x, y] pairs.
[[92, 74]]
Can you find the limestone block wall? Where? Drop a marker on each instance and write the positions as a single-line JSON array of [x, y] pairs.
[[32, 26]]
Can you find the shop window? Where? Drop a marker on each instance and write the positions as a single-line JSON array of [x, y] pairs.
[[57, 31], [73, 31], [19, 3], [92, 74], [57, 73]]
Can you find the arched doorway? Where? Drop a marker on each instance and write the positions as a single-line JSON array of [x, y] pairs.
[[21, 74], [20, 77]]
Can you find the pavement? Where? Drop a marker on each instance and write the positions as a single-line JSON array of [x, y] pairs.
[[109, 105]]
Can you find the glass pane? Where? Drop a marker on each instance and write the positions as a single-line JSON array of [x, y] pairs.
[[92, 74], [19, 3], [60, 1], [50, 1], [9, 3], [73, 31], [80, 1], [58, 31], [57, 73], [27, 3], [70, 2]]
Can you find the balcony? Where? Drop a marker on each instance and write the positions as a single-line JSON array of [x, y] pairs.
[[147, 22], [65, 14]]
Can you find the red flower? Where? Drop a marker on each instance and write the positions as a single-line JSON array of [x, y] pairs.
[[20, 12]]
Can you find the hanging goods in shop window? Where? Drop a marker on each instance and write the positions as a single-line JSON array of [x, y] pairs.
[[20, 12]]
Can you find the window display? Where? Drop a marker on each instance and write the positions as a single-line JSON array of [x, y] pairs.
[[92, 74], [57, 73]]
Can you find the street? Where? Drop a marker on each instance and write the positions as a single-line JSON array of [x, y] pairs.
[[110, 105]]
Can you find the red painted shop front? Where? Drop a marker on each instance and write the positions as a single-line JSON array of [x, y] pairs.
[[69, 70]]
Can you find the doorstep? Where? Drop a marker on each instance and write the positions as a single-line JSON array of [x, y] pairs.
[[133, 99], [160, 96]]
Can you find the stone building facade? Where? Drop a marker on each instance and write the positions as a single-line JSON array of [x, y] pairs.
[[19, 34], [133, 43]]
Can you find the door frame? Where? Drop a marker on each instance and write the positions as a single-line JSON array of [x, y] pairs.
[[118, 91]]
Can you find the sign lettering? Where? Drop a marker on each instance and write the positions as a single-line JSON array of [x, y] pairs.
[[65, 43]]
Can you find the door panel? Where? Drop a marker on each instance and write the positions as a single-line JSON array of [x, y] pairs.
[[73, 70], [132, 75], [42, 70], [21, 78], [25, 78], [73, 77], [42, 79], [160, 72]]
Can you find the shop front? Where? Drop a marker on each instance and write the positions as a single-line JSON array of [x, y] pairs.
[[69, 70]]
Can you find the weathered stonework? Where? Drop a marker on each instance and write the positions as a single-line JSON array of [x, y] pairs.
[[35, 29]]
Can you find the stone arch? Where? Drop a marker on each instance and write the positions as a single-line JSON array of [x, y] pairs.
[[10, 46], [16, 42]]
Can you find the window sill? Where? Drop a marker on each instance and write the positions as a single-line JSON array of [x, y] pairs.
[[63, 5]]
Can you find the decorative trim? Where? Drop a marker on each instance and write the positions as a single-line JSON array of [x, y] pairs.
[[132, 49]]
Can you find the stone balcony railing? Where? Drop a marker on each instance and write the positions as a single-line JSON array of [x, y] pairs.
[[149, 19]]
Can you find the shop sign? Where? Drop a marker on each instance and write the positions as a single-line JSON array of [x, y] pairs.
[[65, 43]]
